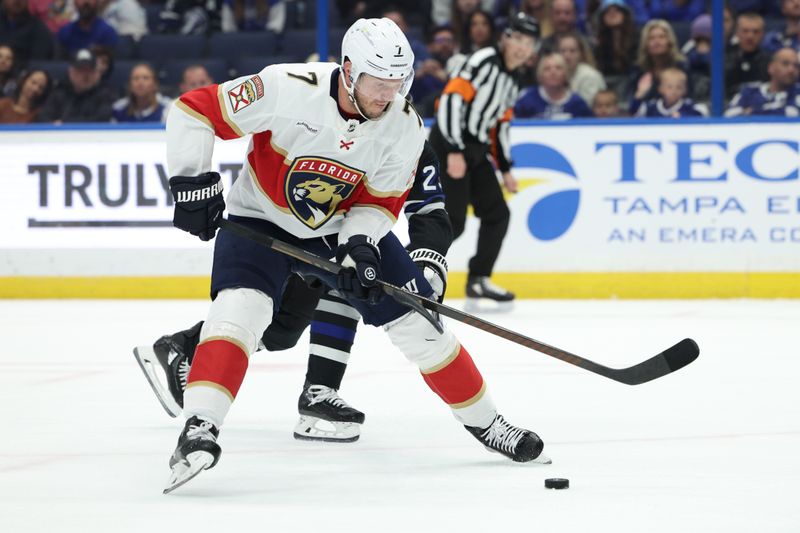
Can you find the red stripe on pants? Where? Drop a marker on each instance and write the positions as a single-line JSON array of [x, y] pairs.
[[221, 362], [457, 382]]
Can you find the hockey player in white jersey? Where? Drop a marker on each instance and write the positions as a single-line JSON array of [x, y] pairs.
[[331, 160]]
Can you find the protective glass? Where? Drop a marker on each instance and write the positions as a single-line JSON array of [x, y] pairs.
[[371, 88]]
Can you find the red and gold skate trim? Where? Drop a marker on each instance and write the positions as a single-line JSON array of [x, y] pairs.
[[220, 363], [456, 380]]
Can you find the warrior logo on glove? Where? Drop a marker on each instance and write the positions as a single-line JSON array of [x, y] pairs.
[[198, 194], [198, 203]]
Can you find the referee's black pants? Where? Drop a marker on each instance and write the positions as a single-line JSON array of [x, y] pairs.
[[480, 188]]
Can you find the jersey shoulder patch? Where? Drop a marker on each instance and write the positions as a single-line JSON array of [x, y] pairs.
[[245, 93]]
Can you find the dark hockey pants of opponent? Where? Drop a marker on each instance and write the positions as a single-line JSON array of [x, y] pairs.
[[332, 328], [480, 188]]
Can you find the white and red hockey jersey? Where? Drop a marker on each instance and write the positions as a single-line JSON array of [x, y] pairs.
[[308, 169]]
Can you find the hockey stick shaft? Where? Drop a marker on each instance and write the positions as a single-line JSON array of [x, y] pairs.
[[666, 362]]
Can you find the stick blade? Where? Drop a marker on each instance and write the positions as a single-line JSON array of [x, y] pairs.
[[681, 354], [672, 359]]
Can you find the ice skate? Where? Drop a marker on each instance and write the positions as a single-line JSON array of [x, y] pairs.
[[324, 416], [517, 444], [172, 354], [485, 296], [197, 451]]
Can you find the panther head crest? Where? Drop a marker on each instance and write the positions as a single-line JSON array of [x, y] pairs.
[[319, 196]]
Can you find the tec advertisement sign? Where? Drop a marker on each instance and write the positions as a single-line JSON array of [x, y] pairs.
[[649, 197], [696, 197]]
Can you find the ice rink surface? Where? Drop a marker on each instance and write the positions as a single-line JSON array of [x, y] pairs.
[[713, 447]]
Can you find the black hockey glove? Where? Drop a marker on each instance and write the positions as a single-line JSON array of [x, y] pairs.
[[361, 259], [198, 204], [434, 268]]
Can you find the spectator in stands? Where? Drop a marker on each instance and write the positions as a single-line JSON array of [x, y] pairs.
[[83, 98], [728, 24], [767, 8], [658, 50], [480, 31], [256, 15], [442, 11], [431, 77], [540, 10], [564, 19], [587, 16], [616, 42], [698, 54], [194, 77], [790, 36], [127, 17], [778, 96], [460, 12], [144, 103], [746, 62], [249, 15], [104, 61], [605, 104], [584, 79], [33, 89], [88, 30], [672, 101], [23, 32], [675, 10], [8, 81], [551, 98], [191, 17], [480, 34], [54, 13]]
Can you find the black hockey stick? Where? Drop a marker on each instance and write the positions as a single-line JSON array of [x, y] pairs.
[[668, 361], [404, 297]]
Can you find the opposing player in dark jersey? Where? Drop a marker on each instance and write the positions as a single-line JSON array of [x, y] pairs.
[[333, 323]]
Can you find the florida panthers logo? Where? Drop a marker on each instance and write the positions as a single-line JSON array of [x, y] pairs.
[[315, 187]]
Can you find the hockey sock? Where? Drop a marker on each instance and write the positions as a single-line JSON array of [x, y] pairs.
[[458, 382], [217, 372], [333, 329]]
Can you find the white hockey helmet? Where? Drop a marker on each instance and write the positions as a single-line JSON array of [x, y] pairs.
[[379, 48]]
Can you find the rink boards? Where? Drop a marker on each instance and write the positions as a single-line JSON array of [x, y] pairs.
[[621, 208]]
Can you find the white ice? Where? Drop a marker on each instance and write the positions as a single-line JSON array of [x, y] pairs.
[[714, 447]]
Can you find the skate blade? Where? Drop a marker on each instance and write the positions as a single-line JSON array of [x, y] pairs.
[[486, 305], [540, 459], [147, 360], [182, 473], [313, 429]]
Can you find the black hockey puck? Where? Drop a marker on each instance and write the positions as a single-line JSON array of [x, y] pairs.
[[556, 483]]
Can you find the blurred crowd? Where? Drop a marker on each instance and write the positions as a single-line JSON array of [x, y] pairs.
[[123, 60]]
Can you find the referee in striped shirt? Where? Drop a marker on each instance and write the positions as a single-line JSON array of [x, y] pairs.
[[471, 130]]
